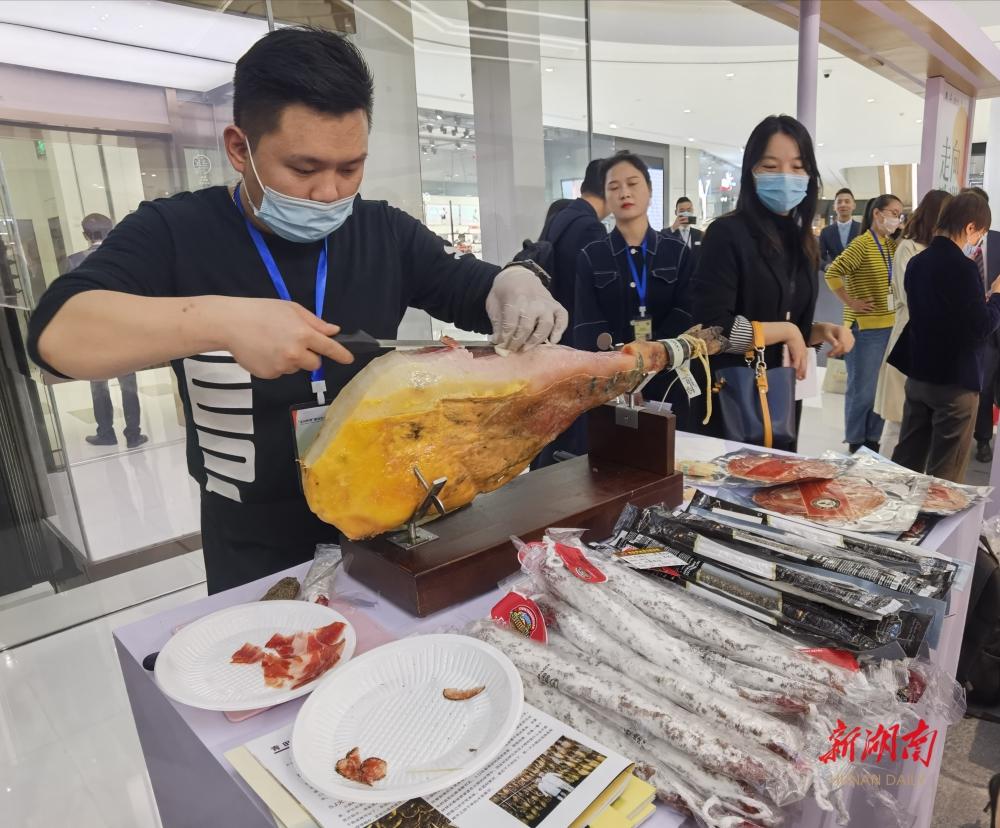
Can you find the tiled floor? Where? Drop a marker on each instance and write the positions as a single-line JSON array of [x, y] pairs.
[[69, 754]]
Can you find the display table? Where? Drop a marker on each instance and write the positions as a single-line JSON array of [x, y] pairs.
[[196, 787]]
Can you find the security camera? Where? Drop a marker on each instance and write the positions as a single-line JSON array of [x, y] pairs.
[[827, 73]]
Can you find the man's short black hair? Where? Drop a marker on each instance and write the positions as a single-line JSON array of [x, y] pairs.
[[979, 191], [681, 200], [320, 69], [96, 226], [593, 182], [844, 191]]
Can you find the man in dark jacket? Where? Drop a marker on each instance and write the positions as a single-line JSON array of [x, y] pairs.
[[987, 259], [834, 238], [574, 227], [682, 229]]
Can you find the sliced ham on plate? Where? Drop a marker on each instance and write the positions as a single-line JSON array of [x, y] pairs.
[[297, 659]]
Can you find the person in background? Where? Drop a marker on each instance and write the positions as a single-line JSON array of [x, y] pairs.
[[683, 228], [758, 263], [834, 238], [861, 277], [555, 208], [569, 231], [941, 349], [96, 227], [890, 393], [987, 259], [632, 284]]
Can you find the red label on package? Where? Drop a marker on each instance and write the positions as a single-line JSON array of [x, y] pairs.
[[576, 562], [838, 658], [521, 615]]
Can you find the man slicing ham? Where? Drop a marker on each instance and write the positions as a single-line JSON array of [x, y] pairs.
[[242, 289], [202, 279]]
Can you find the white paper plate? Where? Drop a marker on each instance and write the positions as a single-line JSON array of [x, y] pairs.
[[194, 667], [389, 703]]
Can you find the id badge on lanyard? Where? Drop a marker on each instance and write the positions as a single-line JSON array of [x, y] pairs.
[[317, 377], [643, 325]]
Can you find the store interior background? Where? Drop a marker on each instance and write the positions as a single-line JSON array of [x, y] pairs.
[[481, 120]]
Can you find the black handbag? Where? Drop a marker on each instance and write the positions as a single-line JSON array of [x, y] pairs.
[[757, 405]]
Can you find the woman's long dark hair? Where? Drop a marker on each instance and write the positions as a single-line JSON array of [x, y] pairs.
[[879, 203], [751, 207], [924, 220]]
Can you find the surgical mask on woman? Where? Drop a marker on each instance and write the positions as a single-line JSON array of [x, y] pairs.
[[890, 224], [781, 192]]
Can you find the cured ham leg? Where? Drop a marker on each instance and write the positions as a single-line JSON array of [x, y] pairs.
[[468, 415]]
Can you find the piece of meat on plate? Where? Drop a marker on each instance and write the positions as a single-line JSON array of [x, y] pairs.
[[247, 654]]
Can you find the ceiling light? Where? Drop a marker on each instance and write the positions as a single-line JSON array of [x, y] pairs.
[[612, 126], [153, 174], [870, 100], [549, 69], [872, 155], [691, 140], [438, 115], [920, 120], [730, 74], [821, 144], [687, 111]]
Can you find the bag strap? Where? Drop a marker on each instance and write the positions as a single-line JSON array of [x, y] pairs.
[[755, 359]]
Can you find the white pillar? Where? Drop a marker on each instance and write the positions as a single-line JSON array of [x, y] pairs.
[[991, 176], [805, 102], [507, 106]]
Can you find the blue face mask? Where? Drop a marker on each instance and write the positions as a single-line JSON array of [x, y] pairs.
[[299, 219], [781, 192]]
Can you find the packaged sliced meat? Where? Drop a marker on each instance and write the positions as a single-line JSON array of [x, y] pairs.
[[748, 466], [942, 497], [848, 502], [733, 511]]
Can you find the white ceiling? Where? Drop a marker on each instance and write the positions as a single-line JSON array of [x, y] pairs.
[[652, 60]]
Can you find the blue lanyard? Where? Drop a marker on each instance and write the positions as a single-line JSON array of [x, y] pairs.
[[885, 256], [317, 376], [640, 284]]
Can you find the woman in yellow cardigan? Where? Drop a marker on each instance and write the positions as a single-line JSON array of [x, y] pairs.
[[862, 278]]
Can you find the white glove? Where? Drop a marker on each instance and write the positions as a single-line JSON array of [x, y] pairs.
[[522, 311]]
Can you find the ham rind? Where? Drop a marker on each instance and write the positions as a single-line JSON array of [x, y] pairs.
[[247, 654], [471, 416]]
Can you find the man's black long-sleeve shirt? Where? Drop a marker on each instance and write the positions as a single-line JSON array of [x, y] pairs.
[[381, 261]]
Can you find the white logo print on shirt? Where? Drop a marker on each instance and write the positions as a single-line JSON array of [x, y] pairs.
[[218, 389]]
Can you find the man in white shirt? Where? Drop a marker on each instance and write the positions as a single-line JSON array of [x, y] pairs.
[[834, 238]]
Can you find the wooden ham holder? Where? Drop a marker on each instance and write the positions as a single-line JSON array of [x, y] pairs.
[[631, 460]]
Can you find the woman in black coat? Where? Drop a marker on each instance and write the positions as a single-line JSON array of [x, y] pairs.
[[941, 349], [760, 262]]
